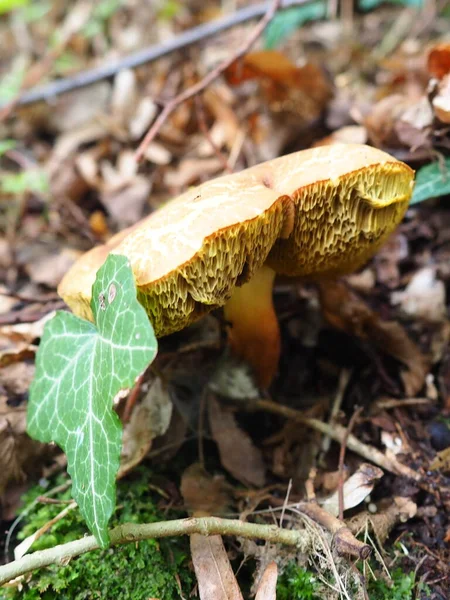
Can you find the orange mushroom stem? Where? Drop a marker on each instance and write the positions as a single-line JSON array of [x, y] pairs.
[[254, 333]]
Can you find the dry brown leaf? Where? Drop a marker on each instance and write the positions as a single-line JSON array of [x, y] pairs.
[[304, 91], [382, 120], [439, 60], [267, 588], [215, 577], [441, 102], [441, 461], [19, 453], [191, 171], [343, 309], [238, 454], [387, 260], [16, 340], [424, 297], [356, 489], [382, 523], [350, 134], [47, 265], [203, 494], [149, 419]]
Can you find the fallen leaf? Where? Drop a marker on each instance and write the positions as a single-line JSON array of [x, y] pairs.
[[16, 340], [441, 461], [343, 309], [267, 588], [350, 134], [439, 60], [215, 577], [203, 494], [20, 455], [356, 489], [386, 261], [238, 454], [423, 298], [304, 91], [149, 419], [441, 101]]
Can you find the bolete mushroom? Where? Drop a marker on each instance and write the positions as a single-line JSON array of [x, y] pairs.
[[314, 213]]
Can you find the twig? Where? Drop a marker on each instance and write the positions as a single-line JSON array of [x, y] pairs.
[[204, 129], [337, 433], [344, 378], [207, 80], [348, 430], [147, 55], [131, 532], [344, 540]]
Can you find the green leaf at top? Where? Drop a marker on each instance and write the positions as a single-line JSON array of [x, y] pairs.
[[80, 368], [287, 21], [432, 181]]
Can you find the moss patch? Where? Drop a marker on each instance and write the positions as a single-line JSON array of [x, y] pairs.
[[138, 571]]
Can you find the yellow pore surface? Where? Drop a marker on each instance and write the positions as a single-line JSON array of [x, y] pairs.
[[312, 213]]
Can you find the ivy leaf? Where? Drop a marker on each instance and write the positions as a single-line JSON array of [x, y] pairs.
[[432, 181], [80, 368], [287, 21]]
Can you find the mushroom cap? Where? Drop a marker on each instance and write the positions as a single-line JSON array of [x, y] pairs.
[[312, 213]]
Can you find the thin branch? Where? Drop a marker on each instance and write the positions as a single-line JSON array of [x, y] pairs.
[[338, 433], [207, 80], [147, 55], [343, 539], [131, 532], [348, 431]]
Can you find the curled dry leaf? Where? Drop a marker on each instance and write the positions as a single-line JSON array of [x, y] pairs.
[[387, 260], [238, 454], [215, 577], [439, 60], [424, 297], [19, 453], [441, 101], [303, 91], [343, 309], [356, 489], [267, 588], [149, 419], [441, 461], [205, 495], [399, 510], [16, 340], [351, 134]]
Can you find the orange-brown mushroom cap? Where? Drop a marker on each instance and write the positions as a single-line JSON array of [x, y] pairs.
[[311, 213]]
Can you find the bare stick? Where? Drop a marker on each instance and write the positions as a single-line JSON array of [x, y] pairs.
[[147, 55], [131, 532], [206, 81], [338, 433], [342, 458], [344, 540]]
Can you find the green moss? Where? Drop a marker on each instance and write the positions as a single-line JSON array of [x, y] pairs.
[[399, 587], [296, 583], [148, 569]]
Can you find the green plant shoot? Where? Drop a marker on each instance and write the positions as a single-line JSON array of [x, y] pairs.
[[80, 369], [432, 181]]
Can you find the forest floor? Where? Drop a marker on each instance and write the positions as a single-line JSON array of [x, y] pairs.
[[375, 363]]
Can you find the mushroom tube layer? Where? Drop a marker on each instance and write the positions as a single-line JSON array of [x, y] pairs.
[[312, 213]]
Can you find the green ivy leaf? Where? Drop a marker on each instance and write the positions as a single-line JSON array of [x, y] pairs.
[[80, 368], [287, 21], [432, 181]]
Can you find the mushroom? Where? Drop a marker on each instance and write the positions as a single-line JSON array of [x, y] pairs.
[[313, 214]]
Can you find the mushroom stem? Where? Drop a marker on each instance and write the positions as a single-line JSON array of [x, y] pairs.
[[254, 334]]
